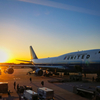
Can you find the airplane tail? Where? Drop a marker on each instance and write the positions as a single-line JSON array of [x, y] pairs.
[[33, 55]]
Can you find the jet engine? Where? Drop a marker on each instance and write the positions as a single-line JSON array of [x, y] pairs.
[[39, 72], [9, 70]]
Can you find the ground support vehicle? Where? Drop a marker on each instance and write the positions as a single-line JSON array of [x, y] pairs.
[[45, 93], [88, 92], [22, 88], [3, 87]]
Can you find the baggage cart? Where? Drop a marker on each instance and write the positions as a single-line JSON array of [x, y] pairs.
[[89, 92]]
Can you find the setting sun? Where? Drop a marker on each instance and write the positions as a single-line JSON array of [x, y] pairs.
[[3, 56]]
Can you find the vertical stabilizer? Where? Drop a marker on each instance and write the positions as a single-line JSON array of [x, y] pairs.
[[33, 55]]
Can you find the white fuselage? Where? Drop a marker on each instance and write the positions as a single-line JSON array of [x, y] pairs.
[[87, 61], [90, 56]]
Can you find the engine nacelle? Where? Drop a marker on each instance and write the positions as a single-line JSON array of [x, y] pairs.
[[39, 72], [10, 70]]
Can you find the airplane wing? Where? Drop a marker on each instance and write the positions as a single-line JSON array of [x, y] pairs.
[[37, 68]]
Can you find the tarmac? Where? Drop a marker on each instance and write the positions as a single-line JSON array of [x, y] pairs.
[[62, 91]]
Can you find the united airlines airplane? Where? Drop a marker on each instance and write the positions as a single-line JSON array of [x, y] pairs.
[[82, 61]]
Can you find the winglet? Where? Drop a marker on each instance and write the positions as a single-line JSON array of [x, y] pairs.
[[33, 55]]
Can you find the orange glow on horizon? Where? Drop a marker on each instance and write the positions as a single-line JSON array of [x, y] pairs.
[[6, 56]]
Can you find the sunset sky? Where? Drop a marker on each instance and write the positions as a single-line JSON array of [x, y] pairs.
[[51, 27]]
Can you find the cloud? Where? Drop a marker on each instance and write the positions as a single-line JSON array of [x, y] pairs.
[[62, 6]]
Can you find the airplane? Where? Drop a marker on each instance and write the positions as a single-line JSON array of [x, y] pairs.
[[87, 61]]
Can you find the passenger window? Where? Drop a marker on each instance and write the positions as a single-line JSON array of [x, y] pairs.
[[88, 56], [99, 52], [78, 56], [82, 56]]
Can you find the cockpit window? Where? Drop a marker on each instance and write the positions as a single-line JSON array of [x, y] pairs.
[[88, 56]]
